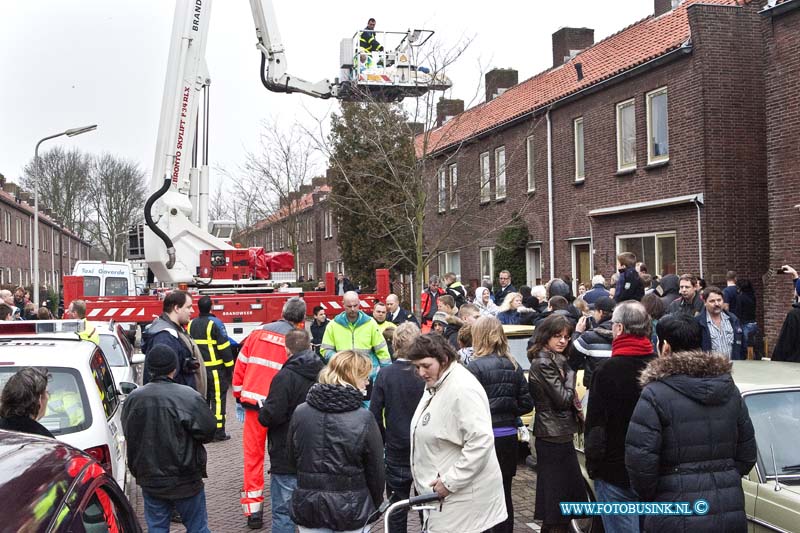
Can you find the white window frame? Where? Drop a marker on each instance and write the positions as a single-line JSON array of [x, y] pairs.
[[7, 229], [310, 271], [500, 173], [445, 261], [329, 266], [486, 178], [481, 263], [651, 159], [442, 191], [529, 147], [453, 172], [19, 235], [580, 157], [653, 269], [530, 267], [622, 165]]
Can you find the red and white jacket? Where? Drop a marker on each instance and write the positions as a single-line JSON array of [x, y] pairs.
[[260, 358]]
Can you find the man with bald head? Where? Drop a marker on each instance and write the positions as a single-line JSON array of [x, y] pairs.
[[396, 314], [355, 330]]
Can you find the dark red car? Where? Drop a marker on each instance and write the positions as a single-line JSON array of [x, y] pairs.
[[47, 485]]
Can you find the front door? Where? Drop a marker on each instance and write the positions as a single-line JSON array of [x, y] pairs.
[[581, 265]]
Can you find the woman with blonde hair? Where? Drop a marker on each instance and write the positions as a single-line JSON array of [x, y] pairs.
[[335, 447], [512, 310], [502, 379]]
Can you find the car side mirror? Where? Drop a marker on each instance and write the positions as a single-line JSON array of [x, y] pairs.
[[126, 387], [137, 359]]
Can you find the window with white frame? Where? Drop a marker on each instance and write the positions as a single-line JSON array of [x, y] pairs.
[[340, 267], [450, 262], [310, 271], [442, 191], [626, 135], [19, 232], [531, 163], [20, 277], [580, 172], [44, 239], [500, 173], [657, 126], [7, 228], [486, 177], [329, 266], [657, 250], [453, 171], [487, 262], [533, 265], [310, 229]]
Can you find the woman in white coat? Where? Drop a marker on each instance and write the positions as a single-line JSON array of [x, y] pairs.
[[452, 443]]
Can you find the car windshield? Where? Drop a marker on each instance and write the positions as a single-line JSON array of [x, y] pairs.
[[775, 416], [112, 349], [68, 409], [519, 349]]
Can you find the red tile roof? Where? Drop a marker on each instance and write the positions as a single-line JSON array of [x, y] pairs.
[[305, 201], [638, 43]]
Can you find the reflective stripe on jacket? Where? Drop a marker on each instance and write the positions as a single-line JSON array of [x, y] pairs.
[[261, 357], [214, 345]]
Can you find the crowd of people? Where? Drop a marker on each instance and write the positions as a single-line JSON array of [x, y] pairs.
[[359, 409]]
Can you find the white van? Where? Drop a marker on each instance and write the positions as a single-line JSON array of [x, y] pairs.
[[106, 278]]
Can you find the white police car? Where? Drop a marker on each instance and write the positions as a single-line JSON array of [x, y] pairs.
[[126, 365], [84, 405]]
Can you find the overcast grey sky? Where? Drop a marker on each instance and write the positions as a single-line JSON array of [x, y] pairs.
[[68, 63]]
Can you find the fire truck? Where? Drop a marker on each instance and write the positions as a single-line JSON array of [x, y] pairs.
[[180, 249]]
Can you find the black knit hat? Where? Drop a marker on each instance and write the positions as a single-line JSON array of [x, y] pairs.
[[161, 360], [605, 304]]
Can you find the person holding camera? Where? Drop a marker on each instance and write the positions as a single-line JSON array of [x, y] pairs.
[[592, 339], [170, 330], [787, 348]]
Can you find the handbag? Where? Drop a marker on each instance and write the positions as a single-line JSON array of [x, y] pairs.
[[523, 434]]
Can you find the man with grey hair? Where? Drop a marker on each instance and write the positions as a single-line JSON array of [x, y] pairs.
[[396, 314], [597, 291], [614, 393], [261, 356], [7, 299]]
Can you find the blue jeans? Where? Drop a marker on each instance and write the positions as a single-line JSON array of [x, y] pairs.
[[749, 331], [606, 492], [398, 487], [281, 487], [325, 530], [157, 513]]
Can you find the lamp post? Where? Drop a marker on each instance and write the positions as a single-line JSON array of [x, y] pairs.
[[69, 133]]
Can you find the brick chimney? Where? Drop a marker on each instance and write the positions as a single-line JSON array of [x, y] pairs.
[[498, 80], [25, 196], [664, 6], [305, 189], [569, 41], [11, 188], [447, 109], [416, 127], [318, 181]]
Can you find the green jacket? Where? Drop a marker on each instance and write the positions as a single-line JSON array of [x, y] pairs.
[[363, 336]]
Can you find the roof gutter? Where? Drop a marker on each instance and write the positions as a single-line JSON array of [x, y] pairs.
[[683, 50], [780, 9]]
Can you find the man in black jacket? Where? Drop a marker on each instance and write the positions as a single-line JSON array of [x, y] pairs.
[[396, 314], [288, 390], [395, 396], [592, 339], [317, 327], [165, 424], [612, 398]]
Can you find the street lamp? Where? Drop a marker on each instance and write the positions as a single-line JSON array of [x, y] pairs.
[[72, 132]]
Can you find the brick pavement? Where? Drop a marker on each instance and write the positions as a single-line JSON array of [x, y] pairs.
[[225, 462]]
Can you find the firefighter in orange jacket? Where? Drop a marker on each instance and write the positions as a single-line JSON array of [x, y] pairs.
[[261, 357], [429, 303]]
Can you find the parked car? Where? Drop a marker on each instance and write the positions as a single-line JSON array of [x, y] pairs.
[[49, 486], [771, 391], [126, 364], [84, 405]]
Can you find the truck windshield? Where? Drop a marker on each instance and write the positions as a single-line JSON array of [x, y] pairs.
[[116, 286], [91, 286]]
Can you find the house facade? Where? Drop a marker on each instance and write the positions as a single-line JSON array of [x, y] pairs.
[[654, 140], [59, 247]]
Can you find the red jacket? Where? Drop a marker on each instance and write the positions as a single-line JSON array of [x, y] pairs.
[[260, 358], [425, 304]]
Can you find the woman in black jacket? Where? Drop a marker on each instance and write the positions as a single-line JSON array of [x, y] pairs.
[[336, 449], [691, 438], [509, 398], [552, 386]]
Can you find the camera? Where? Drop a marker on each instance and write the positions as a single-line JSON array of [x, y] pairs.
[[781, 270]]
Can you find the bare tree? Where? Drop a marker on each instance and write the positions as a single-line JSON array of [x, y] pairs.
[[271, 179], [219, 205], [116, 194], [62, 179]]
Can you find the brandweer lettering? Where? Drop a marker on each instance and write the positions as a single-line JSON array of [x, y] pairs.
[[198, 5]]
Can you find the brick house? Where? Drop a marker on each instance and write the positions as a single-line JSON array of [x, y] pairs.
[[653, 140], [59, 247], [317, 249], [782, 85]]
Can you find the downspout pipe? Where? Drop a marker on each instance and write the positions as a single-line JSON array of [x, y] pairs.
[[698, 201], [550, 193]]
